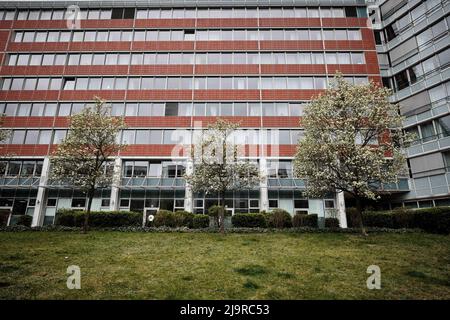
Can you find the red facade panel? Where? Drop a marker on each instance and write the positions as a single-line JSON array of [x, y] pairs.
[[227, 23], [38, 95], [161, 69], [38, 46], [281, 45], [226, 45], [161, 95], [149, 150], [107, 24], [163, 45], [293, 69], [227, 69], [281, 122], [244, 122], [96, 70], [28, 122], [31, 70], [100, 46], [290, 22], [40, 24], [289, 95], [76, 95], [164, 23], [158, 122]]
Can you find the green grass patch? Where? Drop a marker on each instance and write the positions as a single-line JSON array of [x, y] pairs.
[[120, 265]]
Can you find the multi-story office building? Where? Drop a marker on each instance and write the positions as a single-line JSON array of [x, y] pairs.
[[413, 41], [171, 67]]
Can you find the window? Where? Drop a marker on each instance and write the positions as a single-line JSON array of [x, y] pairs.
[[78, 202], [30, 84], [32, 137], [155, 136], [69, 83], [18, 137], [171, 109]]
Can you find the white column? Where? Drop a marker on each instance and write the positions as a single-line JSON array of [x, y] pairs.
[[188, 194], [114, 202], [340, 203], [39, 209], [263, 190]]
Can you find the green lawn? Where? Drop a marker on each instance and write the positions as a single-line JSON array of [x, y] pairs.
[[118, 265]]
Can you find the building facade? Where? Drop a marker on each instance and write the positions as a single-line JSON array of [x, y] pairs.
[[412, 41], [172, 68]]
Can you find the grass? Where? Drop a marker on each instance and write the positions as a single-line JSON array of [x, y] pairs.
[[235, 266]]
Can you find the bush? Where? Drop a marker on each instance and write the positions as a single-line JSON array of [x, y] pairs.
[[184, 219], [200, 221], [278, 218], [99, 219], [433, 220], [24, 220], [165, 218], [248, 220], [304, 220], [331, 223], [381, 219]]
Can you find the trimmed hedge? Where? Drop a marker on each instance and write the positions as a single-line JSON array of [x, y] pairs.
[[278, 218], [164, 218], [305, 220], [200, 221], [433, 220], [249, 220], [24, 220], [331, 223], [98, 219]]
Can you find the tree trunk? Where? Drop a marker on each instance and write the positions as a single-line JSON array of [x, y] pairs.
[[88, 210], [222, 212], [359, 209]]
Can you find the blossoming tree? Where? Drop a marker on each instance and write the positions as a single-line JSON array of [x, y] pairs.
[[218, 164], [83, 159], [353, 142]]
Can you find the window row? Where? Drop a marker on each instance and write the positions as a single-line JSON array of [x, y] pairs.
[[187, 35], [187, 13], [167, 136], [171, 83], [155, 109], [153, 168], [63, 14], [410, 19], [431, 130], [75, 59], [186, 136], [24, 168], [435, 64]]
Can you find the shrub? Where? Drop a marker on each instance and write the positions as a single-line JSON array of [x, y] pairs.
[[200, 221], [165, 218], [332, 223], [381, 219], [248, 220], [403, 218], [279, 218], [100, 219], [304, 220], [24, 220], [184, 219], [433, 220]]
